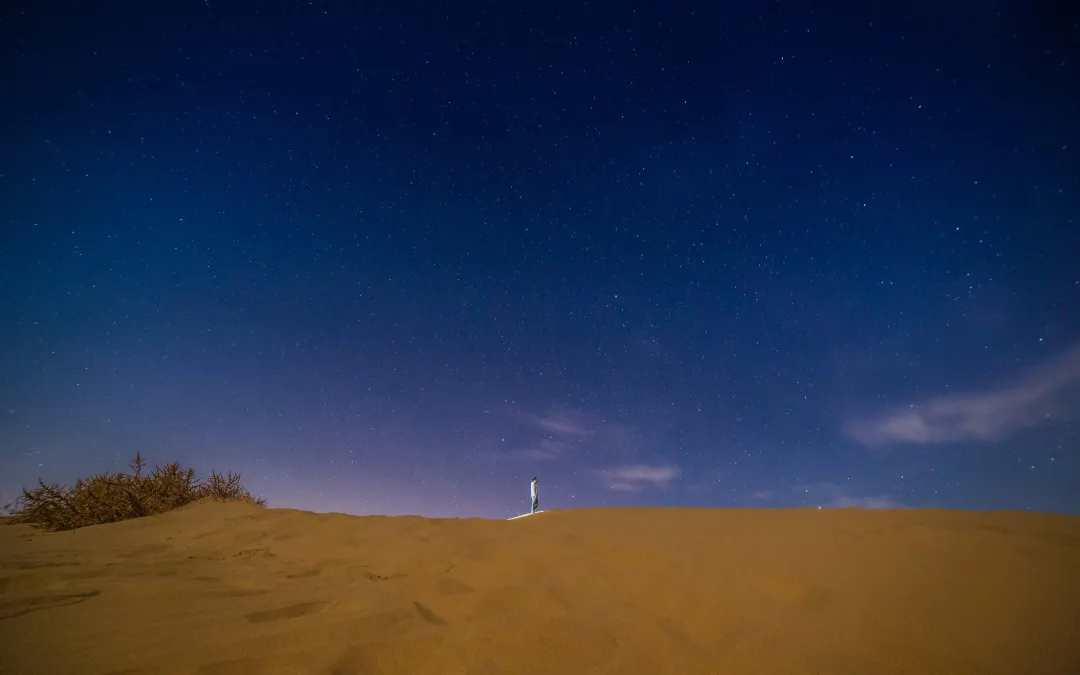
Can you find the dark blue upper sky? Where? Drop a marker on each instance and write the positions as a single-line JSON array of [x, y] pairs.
[[402, 257]]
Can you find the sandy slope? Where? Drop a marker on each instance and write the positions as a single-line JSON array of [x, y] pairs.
[[221, 589]]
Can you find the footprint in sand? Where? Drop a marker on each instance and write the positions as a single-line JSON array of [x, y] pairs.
[[35, 565], [21, 606], [275, 665], [290, 612], [427, 615], [452, 586]]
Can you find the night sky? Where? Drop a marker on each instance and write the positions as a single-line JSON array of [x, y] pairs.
[[403, 257]]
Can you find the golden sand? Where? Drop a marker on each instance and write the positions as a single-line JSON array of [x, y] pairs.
[[222, 589]]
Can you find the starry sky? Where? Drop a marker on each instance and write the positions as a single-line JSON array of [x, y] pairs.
[[402, 257]]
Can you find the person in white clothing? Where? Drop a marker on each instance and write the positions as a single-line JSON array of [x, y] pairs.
[[535, 496]]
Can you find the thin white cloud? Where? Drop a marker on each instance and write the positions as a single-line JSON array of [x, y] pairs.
[[634, 477], [1040, 396], [546, 449], [617, 435], [832, 496], [575, 427], [763, 495], [879, 502], [560, 421]]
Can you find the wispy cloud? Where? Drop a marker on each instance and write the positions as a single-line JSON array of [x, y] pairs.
[[763, 495], [634, 477], [833, 496], [619, 435], [1035, 398], [559, 421], [880, 502], [546, 449], [569, 422]]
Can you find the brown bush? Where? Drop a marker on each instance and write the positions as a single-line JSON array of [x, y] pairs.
[[108, 498]]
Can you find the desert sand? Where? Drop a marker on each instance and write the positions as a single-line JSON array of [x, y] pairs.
[[221, 589]]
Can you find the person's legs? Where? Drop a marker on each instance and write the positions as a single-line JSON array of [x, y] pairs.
[[536, 505]]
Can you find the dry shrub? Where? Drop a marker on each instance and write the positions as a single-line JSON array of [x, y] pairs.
[[108, 498]]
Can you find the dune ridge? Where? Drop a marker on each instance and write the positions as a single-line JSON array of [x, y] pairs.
[[231, 588]]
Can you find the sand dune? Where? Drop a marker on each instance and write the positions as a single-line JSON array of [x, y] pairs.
[[222, 589]]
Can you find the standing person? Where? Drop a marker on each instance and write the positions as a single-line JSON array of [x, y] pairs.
[[535, 496]]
